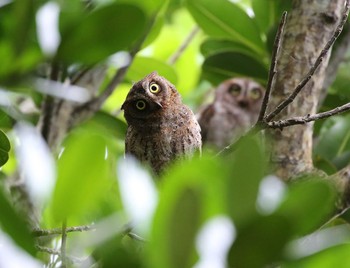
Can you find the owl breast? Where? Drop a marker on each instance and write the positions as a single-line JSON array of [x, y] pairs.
[[161, 142]]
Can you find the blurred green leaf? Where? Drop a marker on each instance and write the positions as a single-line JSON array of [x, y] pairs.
[[19, 51], [143, 66], [247, 170], [264, 11], [190, 193], [113, 125], [337, 256], [15, 226], [308, 204], [224, 19], [84, 170], [105, 31], [324, 165], [225, 65], [5, 147], [114, 253], [260, 242], [334, 140], [213, 46]]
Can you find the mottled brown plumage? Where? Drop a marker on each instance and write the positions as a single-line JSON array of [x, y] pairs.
[[160, 127], [235, 108]]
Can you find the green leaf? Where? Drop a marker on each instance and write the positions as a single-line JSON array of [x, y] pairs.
[[105, 31], [308, 204], [212, 46], [264, 11], [334, 139], [261, 242], [247, 170], [84, 170], [5, 147], [113, 125], [337, 256], [190, 193], [15, 226], [225, 65], [224, 19], [143, 66], [114, 253]]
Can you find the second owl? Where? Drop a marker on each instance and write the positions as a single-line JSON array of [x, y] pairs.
[[235, 108]]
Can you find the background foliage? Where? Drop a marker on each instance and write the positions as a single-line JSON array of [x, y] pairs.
[[208, 212]]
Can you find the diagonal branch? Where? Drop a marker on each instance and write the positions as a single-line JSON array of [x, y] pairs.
[[273, 70], [313, 69], [172, 60]]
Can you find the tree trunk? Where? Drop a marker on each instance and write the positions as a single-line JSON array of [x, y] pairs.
[[310, 24]]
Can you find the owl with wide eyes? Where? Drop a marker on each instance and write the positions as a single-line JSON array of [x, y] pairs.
[[235, 108], [160, 127]]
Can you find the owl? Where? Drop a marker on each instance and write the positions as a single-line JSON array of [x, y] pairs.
[[160, 127], [235, 108]]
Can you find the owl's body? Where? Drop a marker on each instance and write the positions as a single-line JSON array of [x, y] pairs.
[[235, 108], [160, 127]]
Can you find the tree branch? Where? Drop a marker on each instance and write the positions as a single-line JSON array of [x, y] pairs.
[[312, 70], [273, 70], [264, 123], [308, 118]]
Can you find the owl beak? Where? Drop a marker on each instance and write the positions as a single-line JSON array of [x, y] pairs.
[[158, 104]]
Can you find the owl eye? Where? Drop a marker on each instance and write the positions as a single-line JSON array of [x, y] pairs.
[[235, 90], [140, 105], [154, 88], [255, 93]]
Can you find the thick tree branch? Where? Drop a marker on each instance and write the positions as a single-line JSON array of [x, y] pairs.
[[263, 123], [312, 70]]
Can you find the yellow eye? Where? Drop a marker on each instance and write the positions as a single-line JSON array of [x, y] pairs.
[[154, 88], [255, 93], [235, 90], [140, 105]]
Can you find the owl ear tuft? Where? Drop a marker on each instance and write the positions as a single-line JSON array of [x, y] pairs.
[[152, 74]]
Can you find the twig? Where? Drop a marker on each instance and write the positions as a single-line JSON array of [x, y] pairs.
[[312, 70], [273, 70], [251, 132], [48, 250], [136, 237], [58, 231], [64, 244], [183, 46], [308, 118]]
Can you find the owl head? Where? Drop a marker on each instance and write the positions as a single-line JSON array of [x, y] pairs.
[[241, 92], [148, 98]]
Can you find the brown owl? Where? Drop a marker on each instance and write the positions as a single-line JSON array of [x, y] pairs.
[[235, 108], [160, 127]]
